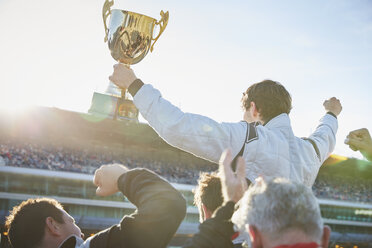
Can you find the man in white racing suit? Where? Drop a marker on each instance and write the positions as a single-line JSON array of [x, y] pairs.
[[264, 139]]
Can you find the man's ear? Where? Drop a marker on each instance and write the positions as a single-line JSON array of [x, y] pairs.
[[207, 212], [325, 236], [255, 237], [52, 226], [254, 111]]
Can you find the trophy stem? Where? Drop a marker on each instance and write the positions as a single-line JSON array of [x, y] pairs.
[[123, 93], [122, 99], [124, 90]]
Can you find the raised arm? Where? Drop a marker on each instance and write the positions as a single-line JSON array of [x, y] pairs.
[[160, 208], [324, 136], [193, 133]]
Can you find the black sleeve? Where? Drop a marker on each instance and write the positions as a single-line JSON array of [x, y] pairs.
[[135, 87], [216, 231], [330, 113], [160, 210]]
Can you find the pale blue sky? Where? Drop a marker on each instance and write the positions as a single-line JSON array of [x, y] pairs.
[[52, 53]]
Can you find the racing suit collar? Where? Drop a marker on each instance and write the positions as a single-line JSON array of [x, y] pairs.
[[281, 120]]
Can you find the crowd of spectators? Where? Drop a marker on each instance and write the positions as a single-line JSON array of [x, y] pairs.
[[57, 157], [355, 190], [60, 158]]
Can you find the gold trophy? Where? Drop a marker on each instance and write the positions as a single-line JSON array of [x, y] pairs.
[[130, 37]]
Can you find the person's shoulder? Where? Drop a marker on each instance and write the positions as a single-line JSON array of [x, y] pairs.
[[238, 128]]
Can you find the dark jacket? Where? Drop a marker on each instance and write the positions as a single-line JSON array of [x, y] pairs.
[[215, 232], [160, 210]]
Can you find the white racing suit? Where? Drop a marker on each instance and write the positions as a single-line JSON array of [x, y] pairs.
[[271, 150]]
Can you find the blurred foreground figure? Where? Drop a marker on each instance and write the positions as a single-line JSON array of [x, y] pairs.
[[208, 197], [160, 209], [264, 139], [275, 214], [281, 213], [360, 140]]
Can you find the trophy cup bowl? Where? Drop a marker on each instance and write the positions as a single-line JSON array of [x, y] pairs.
[[130, 37]]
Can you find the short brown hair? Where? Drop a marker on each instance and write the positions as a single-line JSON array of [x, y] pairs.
[[26, 222], [208, 191], [270, 97]]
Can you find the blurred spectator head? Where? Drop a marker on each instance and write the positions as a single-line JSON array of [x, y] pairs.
[[39, 223], [279, 212], [207, 194]]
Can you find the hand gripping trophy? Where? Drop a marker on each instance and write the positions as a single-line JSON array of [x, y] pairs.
[[130, 37]]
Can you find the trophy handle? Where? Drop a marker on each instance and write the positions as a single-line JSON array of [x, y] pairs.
[[163, 24], [106, 11]]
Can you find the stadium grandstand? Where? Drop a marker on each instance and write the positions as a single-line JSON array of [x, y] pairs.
[[54, 153]]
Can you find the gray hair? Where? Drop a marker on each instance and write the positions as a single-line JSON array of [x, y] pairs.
[[277, 206]]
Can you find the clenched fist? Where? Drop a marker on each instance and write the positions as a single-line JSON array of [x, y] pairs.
[[123, 76], [106, 178], [333, 105], [360, 140]]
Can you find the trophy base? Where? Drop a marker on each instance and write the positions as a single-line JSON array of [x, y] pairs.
[[113, 107]]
